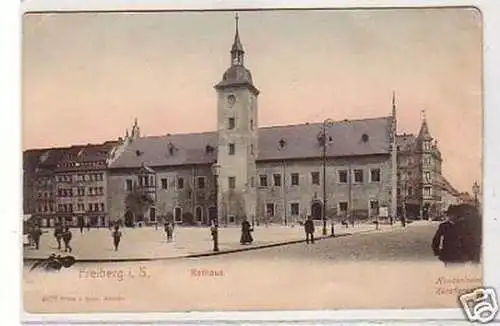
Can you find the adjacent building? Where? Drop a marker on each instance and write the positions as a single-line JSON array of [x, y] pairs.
[[67, 184]]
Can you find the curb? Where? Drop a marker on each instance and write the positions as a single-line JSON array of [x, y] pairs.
[[205, 254]]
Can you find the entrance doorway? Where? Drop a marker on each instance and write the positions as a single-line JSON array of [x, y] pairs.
[[129, 219], [316, 210]]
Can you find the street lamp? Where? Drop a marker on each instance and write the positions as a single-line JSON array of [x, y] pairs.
[[475, 191], [323, 140], [215, 223]]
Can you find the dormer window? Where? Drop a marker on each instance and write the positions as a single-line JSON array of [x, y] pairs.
[[282, 143], [171, 148], [364, 138]]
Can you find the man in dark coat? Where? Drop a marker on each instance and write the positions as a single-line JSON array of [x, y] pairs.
[[58, 231], [246, 232], [309, 228], [458, 239]]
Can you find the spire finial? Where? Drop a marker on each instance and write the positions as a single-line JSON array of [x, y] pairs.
[[393, 99], [422, 115], [237, 49]]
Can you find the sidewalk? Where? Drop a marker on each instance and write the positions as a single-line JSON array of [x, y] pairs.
[[147, 243]]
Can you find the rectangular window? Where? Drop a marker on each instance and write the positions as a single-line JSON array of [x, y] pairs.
[[410, 191], [375, 175], [201, 182], [129, 185], [231, 149], [295, 179], [427, 177], [343, 206], [231, 124], [164, 183], [263, 180], [199, 214], [270, 209], [277, 179], [427, 191], [180, 183], [294, 209], [91, 191], [342, 176], [358, 176], [102, 207], [315, 178], [231, 182], [96, 207]]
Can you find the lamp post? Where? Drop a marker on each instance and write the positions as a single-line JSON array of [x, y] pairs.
[[214, 227], [475, 191], [323, 142]]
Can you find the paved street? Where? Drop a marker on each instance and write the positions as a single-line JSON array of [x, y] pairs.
[[410, 244], [149, 243], [399, 272]]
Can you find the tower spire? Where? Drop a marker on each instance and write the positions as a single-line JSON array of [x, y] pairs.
[[393, 103], [237, 48]]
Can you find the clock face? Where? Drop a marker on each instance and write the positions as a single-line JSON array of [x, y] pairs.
[[230, 100]]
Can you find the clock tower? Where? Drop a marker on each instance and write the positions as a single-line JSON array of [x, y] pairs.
[[237, 132]]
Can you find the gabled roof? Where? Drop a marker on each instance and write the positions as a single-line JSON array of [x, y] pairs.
[[299, 142]]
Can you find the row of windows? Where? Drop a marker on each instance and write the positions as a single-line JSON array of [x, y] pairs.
[[80, 191], [178, 183], [342, 177], [81, 177], [92, 207], [342, 207]]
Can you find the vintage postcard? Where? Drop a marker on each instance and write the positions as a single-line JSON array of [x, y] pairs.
[[252, 160]]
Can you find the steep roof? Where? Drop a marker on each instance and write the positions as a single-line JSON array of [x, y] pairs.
[[299, 142]]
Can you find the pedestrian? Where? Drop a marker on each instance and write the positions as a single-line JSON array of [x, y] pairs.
[[309, 229], [449, 244], [169, 230], [117, 235], [58, 231], [246, 232], [36, 232], [81, 224], [66, 236]]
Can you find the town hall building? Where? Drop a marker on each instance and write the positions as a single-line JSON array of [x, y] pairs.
[[354, 169]]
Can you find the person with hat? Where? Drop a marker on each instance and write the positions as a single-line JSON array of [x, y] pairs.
[[456, 240]]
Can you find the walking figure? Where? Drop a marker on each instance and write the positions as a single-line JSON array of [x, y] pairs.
[[66, 236], [117, 235], [81, 226], [36, 232], [58, 231], [309, 228], [246, 232], [169, 230]]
